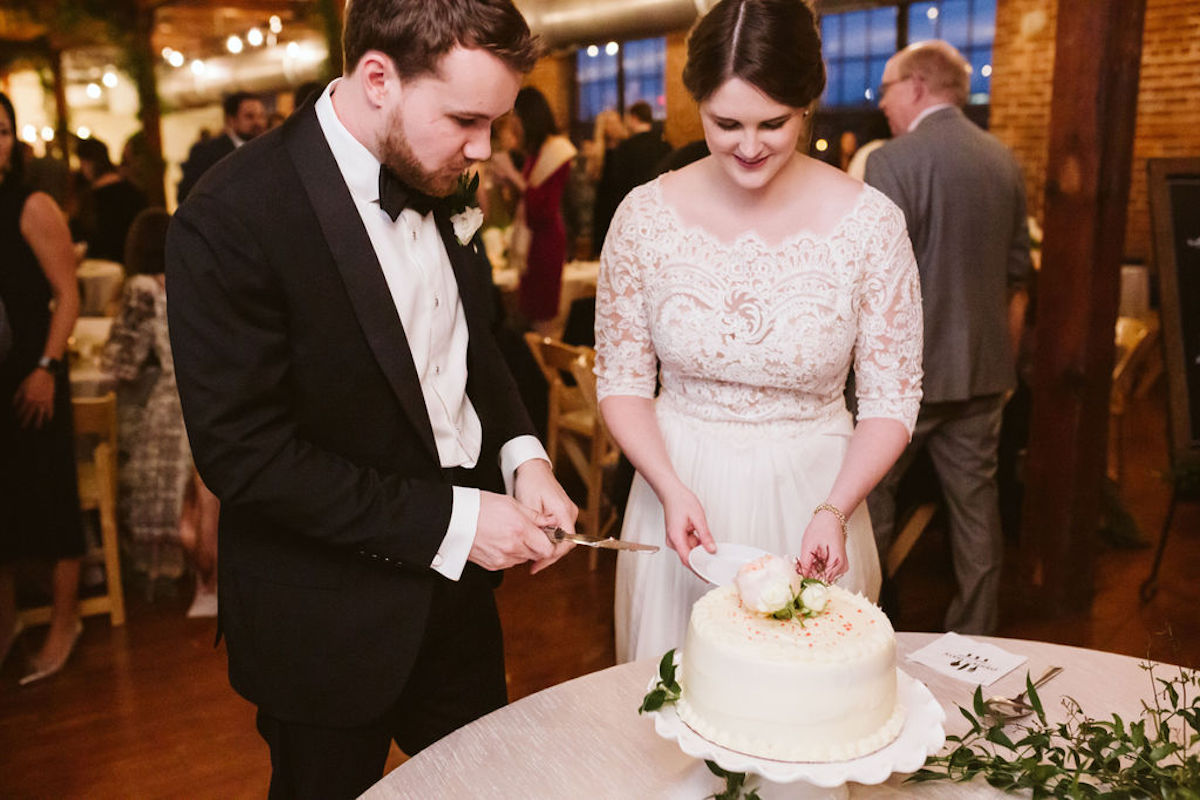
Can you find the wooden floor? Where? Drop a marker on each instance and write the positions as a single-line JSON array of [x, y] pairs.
[[145, 711]]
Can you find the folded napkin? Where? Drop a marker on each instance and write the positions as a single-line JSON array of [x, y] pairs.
[[966, 659]]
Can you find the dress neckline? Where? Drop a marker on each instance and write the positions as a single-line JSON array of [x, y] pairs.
[[751, 235]]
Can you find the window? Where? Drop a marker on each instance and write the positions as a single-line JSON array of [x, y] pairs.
[[857, 44], [618, 75]]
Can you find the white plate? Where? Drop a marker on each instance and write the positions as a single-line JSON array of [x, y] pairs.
[[721, 567], [921, 736]]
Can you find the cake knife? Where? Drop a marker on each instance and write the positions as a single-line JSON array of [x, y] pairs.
[[559, 535]]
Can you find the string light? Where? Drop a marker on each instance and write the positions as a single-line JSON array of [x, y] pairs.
[[198, 67], [986, 70], [234, 44], [593, 51], [94, 91], [254, 37], [275, 24], [821, 145], [47, 134], [109, 79], [29, 134], [612, 48], [83, 132]]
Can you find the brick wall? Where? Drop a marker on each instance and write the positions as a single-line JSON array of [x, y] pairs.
[[552, 76], [1168, 113], [683, 117]]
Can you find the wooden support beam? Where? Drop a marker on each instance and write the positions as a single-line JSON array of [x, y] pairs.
[[144, 58], [1098, 45]]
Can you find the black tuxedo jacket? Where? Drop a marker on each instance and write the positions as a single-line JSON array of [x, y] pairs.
[[306, 419], [201, 157]]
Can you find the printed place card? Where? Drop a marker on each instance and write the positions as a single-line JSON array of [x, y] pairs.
[[966, 659]]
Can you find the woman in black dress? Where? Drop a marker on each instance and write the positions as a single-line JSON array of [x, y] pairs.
[[39, 501]]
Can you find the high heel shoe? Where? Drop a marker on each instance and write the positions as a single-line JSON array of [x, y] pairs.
[[6, 646], [40, 672]]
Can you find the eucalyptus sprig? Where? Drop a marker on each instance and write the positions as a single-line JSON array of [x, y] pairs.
[[735, 784], [666, 690], [1084, 757]]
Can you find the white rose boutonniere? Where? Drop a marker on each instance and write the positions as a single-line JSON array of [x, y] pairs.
[[465, 214]]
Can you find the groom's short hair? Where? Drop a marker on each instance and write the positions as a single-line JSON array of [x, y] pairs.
[[415, 34]]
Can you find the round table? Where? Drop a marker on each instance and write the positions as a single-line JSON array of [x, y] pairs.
[[584, 738]]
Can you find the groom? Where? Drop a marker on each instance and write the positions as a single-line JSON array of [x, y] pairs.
[[346, 400]]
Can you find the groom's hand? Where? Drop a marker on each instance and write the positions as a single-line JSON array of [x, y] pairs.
[[508, 533], [536, 487]]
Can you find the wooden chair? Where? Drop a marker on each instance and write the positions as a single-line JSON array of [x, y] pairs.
[[575, 426], [95, 419]]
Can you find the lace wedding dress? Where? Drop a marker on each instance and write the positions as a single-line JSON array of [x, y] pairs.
[[754, 341]]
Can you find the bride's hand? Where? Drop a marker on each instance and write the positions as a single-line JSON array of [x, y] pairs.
[[686, 524], [823, 549]]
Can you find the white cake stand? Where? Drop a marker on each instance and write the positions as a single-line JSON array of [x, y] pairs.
[[921, 735]]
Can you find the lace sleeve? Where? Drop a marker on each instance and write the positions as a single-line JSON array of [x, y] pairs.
[[132, 334], [888, 349], [626, 363]]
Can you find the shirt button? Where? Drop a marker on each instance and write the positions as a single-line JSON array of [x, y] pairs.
[[436, 301], [437, 370], [437, 560], [414, 236]]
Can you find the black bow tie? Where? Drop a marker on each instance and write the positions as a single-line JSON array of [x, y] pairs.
[[395, 195]]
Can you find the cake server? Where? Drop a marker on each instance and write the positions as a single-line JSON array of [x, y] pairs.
[[559, 535]]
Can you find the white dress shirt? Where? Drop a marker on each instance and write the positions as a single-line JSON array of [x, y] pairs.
[[912, 126], [422, 284]]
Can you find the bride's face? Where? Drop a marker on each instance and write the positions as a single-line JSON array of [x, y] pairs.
[[751, 136]]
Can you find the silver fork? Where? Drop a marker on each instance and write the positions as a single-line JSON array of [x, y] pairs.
[[1017, 705]]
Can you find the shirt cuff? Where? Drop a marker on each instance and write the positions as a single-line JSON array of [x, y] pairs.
[[514, 453], [451, 557]]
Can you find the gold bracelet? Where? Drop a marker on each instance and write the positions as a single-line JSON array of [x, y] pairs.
[[837, 512]]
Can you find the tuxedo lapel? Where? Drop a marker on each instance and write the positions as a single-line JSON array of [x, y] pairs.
[[462, 261], [359, 267]]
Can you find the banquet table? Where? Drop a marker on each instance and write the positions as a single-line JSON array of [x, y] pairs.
[[584, 738], [87, 340]]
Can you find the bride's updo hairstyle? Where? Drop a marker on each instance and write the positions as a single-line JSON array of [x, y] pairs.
[[773, 45]]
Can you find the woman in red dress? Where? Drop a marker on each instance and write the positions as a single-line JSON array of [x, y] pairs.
[[547, 168]]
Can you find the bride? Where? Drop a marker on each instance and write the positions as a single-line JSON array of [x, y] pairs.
[[749, 283]]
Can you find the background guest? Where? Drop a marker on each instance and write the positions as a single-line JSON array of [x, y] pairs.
[[39, 500], [245, 118], [631, 163], [114, 202], [547, 168], [963, 197], [155, 468]]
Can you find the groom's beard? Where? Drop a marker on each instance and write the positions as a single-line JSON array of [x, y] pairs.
[[397, 154]]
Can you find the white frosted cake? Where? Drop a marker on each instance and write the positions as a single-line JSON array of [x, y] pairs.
[[821, 688]]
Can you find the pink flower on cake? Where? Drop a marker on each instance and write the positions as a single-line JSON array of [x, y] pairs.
[[768, 584]]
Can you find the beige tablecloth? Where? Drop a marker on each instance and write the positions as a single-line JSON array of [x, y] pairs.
[[584, 738], [99, 285]]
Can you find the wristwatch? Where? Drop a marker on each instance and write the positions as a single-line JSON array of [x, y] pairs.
[[51, 365]]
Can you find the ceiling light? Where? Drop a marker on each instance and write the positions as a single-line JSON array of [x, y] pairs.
[[198, 67], [29, 134], [254, 37], [234, 44], [293, 49], [83, 132], [94, 91], [47, 134], [275, 23], [932, 13], [611, 48], [986, 70], [593, 51], [821, 145], [176, 59], [109, 78], [166, 53]]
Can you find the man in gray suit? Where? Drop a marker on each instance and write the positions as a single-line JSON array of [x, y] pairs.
[[964, 200]]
